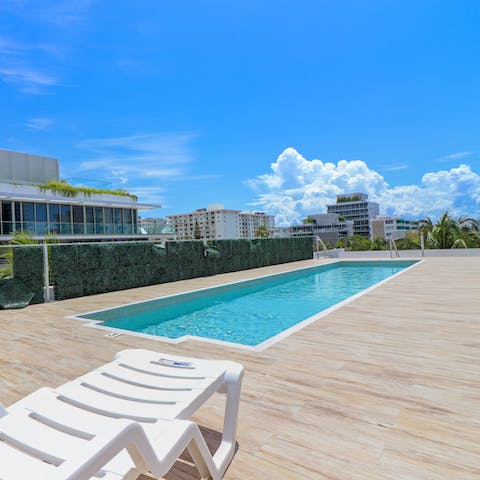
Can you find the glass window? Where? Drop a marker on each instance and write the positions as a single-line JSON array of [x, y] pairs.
[[66, 219], [108, 215], [65, 213], [135, 218], [127, 221], [7, 217], [98, 215], [28, 212], [41, 218], [117, 220], [99, 220], [77, 211], [28, 217], [7, 213], [41, 212], [117, 216], [54, 218], [89, 220], [108, 220], [127, 216], [18, 215], [89, 214]]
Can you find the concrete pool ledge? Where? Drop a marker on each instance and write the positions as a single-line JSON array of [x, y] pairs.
[[386, 386]]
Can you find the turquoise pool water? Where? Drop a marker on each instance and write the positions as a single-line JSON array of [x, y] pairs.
[[250, 312]]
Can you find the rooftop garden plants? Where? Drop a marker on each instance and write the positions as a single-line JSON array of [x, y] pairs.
[[63, 187], [353, 198]]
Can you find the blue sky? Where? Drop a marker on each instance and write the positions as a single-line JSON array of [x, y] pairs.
[[271, 105]]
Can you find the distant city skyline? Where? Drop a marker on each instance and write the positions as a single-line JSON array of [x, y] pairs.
[[272, 106]]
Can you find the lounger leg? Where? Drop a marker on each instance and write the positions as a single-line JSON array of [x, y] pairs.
[[3, 412], [233, 384], [201, 456], [138, 459]]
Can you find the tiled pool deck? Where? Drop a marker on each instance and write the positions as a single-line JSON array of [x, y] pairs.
[[385, 387]]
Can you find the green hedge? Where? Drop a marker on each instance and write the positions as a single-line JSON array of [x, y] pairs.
[[86, 269], [28, 268]]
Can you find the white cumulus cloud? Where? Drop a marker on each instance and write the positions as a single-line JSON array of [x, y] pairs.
[[296, 187]]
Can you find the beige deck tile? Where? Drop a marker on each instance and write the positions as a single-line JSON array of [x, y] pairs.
[[386, 387]]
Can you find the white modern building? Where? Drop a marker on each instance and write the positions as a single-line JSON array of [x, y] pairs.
[[250, 222], [27, 203], [218, 223], [356, 207], [328, 226], [391, 227]]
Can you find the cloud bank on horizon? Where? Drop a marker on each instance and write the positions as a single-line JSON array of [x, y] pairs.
[[296, 187]]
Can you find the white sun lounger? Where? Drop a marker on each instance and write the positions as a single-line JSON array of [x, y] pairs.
[[44, 437], [146, 386]]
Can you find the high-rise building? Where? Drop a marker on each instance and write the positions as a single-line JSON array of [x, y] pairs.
[[250, 222], [217, 223], [356, 207]]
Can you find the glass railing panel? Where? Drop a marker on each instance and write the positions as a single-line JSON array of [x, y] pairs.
[[7, 228], [54, 228], [41, 228], [66, 228], [28, 227], [79, 228], [109, 229]]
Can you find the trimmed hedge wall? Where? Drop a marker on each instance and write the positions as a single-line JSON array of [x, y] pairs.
[[28, 268], [86, 269]]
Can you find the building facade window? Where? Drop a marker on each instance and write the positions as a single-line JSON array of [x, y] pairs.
[[39, 218]]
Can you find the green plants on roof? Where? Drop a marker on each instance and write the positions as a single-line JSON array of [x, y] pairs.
[[353, 198], [63, 187]]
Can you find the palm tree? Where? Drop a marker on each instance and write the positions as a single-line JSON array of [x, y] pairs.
[[425, 226], [449, 232], [262, 232], [6, 254], [197, 234], [470, 231]]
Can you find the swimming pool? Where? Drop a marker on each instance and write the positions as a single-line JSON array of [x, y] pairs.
[[251, 313]]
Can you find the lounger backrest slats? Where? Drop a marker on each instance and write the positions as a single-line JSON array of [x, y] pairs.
[[15, 461]]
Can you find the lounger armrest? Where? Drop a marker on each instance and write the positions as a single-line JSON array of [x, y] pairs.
[[233, 375]]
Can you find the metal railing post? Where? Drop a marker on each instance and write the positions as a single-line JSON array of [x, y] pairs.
[[45, 273]]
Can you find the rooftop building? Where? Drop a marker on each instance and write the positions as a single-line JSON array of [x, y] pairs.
[[30, 202], [328, 226], [391, 227], [217, 223], [356, 207]]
